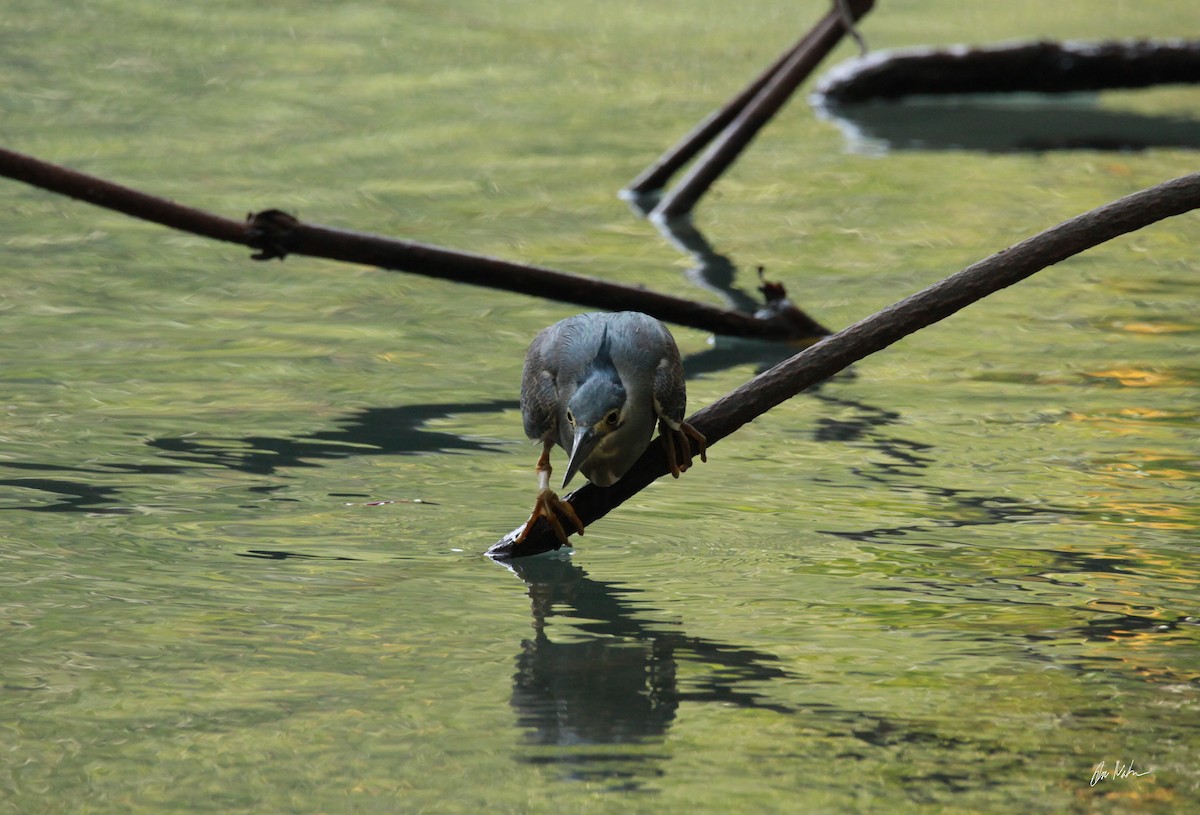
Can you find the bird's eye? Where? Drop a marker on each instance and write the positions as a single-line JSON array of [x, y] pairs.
[[612, 418], [570, 417]]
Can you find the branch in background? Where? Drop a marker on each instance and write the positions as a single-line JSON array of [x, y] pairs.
[[276, 234], [655, 177], [734, 126], [1022, 67], [835, 353]]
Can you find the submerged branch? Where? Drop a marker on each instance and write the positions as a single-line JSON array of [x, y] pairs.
[[835, 353], [276, 234]]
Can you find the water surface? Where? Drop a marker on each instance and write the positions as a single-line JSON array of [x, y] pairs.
[[956, 578]]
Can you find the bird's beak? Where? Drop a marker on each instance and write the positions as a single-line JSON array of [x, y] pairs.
[[585, 442]]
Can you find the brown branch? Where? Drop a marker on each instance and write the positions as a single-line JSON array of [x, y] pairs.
[[754, 113], [835, 353], [277, 234], [105, 194]]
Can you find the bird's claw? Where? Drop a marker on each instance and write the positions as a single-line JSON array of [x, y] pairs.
[[679, 440], [698, 437], [549, 506]]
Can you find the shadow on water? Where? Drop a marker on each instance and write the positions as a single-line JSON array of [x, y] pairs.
[[370, 431], [69, 496], [899, 464], [366, 432]]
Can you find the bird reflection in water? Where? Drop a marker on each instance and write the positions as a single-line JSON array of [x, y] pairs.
[[597, 701]]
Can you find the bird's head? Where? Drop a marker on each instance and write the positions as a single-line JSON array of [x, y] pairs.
[[595, 409]]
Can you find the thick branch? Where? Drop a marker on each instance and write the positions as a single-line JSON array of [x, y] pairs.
[[875, 333], [277, 234]]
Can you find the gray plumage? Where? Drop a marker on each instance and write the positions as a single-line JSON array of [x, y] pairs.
[[596, 384]]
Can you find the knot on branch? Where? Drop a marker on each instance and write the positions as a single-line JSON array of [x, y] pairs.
[[270, 232], [778, 309]]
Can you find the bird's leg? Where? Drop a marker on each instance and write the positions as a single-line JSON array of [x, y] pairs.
[[668, 435], [678, 437], [548, 505]]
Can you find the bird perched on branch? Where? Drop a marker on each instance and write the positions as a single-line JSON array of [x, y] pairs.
[[595, 385]]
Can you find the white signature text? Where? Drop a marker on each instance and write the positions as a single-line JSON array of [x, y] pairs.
[[1099, 773]]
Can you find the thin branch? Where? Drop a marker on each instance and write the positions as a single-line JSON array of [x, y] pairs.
[[760, 109], [655, 177], [835, 353], [276, 234], [93, 190]]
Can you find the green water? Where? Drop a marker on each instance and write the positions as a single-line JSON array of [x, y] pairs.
[[955, 580]]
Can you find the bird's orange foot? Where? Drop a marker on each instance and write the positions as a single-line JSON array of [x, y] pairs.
[[680, 442], [549, 506]]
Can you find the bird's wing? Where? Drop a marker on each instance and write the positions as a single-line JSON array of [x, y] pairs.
[[670, 389], [538, 387]]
